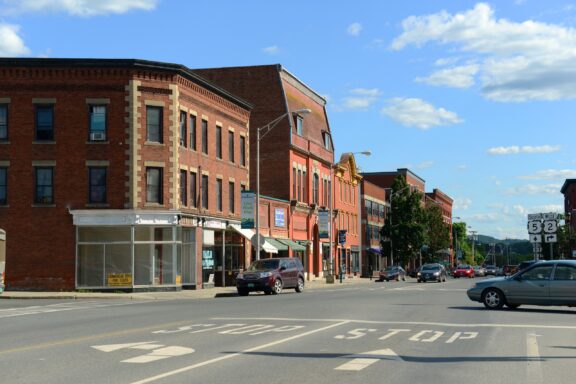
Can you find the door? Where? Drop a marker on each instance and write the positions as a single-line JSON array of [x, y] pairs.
[[563, 285], [531, 287]]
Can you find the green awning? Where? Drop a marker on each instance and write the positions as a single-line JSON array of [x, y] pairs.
[[304, 242], [292, 244], [277, 244]]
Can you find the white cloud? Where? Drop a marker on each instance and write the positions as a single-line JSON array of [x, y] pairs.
[[425, 164], [412, 112], [11, 44], [551, 174], [76, 7], [462, 167], [455, 77], [515, 149], [520, 61], [272, 50], [361, 98], [532, 189], [461, 203], [485, 217], [354, 29]]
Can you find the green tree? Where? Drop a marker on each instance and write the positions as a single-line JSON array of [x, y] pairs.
[[437, 232], [405, 227], [566, 240]]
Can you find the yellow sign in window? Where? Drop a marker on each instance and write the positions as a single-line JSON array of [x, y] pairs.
[[119, 279]]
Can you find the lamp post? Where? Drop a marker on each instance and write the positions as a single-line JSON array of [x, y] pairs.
[[392, 194], [473, 237], [455, 240], [260, 133]]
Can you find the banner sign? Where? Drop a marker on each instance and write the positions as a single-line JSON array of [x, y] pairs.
[[323, 224], [279, 217], [342, 237], [248, 199]]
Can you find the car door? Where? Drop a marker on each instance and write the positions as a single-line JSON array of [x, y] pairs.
[[563, 285], [285, 273], [530, 287]]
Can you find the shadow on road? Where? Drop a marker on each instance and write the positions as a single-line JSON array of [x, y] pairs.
[[520, 310]]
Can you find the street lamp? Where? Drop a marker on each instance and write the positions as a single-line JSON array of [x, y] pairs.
[[392, 194], [260, 133]]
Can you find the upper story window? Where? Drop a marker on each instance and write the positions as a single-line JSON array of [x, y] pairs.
[[219, 195], [154, 124], [327, 140], [97, 185], [231, 146], [304, 187], [44, 185], [204, 136], [294, 184], [299, 125], [183, 188], [205, 191], [3, 185], [218, 142], [315, 188], [3, 122], [154, 185], [183, 118], [97, 122], [193, 193], [44, 123], [193, 132], [231, 197], [242, 151]]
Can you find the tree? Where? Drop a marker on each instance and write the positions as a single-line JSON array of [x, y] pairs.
[[566, 240], [405, 226], [437, 232]]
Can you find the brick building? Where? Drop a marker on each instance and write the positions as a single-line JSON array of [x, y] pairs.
[[374, 209], [295, 157], [119, 174], [569, 191], [445, 202]]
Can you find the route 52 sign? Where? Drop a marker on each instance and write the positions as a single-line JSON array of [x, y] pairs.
[[534, 226]]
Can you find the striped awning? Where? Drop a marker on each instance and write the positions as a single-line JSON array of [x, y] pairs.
[[292, 244]]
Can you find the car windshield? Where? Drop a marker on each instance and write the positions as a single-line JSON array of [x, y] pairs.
[[430, 267], [464, 266], [263, 264], [390, 269]]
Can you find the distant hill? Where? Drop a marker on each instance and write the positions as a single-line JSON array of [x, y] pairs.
[[523, 248], [484, 239]]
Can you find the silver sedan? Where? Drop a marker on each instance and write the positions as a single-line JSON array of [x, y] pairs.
[[546, 283]]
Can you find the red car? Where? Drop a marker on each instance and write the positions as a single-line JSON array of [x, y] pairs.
[[464, 270]]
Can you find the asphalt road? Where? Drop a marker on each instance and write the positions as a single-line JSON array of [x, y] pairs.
[[396, 332]]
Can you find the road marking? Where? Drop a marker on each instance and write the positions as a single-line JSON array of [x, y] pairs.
[[459, 336], [431, 339], [159, 351], [232, 355], [60, 307], [534, 367], [355, 334], [363, 360]]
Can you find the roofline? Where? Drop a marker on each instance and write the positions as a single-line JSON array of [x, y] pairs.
[[567, 182], [128, 63], [395, 173]]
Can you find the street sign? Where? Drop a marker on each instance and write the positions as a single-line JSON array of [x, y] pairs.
[[551, 238], [534, 216], [550, 226], [537, 247], [535, 238], [534, 226], [550, 216], [342, 236]]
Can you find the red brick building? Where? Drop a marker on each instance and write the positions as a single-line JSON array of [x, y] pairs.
[[569, 192], [374, 209], [445, 202], [295, 157], [119, 174]]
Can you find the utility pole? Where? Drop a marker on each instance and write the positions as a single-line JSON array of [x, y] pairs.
[[473, 234]]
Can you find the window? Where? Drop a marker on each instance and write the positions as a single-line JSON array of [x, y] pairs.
[[45, 122], [304, 187], [219, 195], [183, 188], [154, 124], [44, 180], [97, 122], [231, 197], [315, 188], [183, 118], [3, 185], [193, 132], [242, 151], [205, 136], [565, 272], [205, 191], [299, 124], [219, 142], [294, 184], [193, 193], [3, 122], [154, 185], [231, 146], [299, 185], [327, 141], [538, 273], [97, 185], [324, 192]]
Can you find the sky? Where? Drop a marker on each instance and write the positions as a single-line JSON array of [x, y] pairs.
[[476, 98]]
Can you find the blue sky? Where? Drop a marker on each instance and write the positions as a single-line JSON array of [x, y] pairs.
[[476, 98]]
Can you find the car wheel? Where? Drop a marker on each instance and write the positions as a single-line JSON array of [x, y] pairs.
[[512, 306], [493, 298], [300, 285], [277, 287], [243, 292]]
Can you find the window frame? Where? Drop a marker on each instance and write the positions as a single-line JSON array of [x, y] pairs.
[[231, 197], [91, 121], [91, 185], [219, 142], [193, 189], [205, 136], [183, 187], [299, 125], [183, 129], [242, 151], [38, 198], [4, 127], [160, 125], [3, 185], [192, 124], [205, 192], [38, 108], [159, 188], [315, 188], [219, 195], [231, 146]]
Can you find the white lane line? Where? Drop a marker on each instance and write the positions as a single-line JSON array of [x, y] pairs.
[[232, 355], [363, 360], [353, 321], [534, 367]]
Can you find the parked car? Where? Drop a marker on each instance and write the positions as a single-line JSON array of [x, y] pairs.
[[271, 276], [392, 273], [543, 283], [464, 270], [479, 271], [490, 270], [434, 271]]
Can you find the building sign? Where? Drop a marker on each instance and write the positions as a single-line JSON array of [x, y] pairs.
[[119, 279], [323, 224], [342, 237], [248, 204], [279, 217]]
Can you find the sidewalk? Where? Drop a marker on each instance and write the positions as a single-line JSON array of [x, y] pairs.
[[207, 293]]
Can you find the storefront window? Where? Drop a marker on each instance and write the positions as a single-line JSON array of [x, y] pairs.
[[189, 256]]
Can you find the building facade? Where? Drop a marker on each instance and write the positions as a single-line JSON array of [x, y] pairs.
[[119, 174], [296, 156], [569, 191], [374, 209], [444, 202]]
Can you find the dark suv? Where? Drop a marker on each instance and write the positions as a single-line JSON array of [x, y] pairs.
[[271, 276]]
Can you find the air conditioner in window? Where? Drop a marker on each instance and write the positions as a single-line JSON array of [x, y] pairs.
[[97, 136]]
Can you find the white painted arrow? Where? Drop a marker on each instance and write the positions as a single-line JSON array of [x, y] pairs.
[[159, 351], [363, 360], [116, 347]]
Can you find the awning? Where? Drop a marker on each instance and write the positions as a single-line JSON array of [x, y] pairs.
[[304, 242], [374, 250], [251, 235], [247, 233], [292, 244], [276, 244]]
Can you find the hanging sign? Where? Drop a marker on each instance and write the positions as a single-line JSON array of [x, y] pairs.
[[248, 203]]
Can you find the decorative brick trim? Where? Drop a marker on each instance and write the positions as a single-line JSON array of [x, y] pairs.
[[133, 169], [5, 100], [44, 100], [154, 103], [174, 143], [97, 163], [97, 101]]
